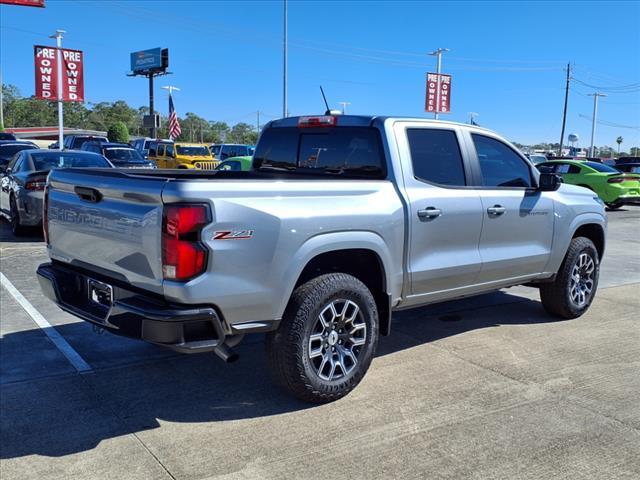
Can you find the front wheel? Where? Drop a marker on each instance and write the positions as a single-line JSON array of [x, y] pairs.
[[574, 288], [326, 340]]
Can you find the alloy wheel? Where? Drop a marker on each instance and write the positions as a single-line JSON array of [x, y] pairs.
[[582, 279], [336, 339]]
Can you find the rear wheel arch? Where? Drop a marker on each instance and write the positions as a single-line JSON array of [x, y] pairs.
[[362, 263]]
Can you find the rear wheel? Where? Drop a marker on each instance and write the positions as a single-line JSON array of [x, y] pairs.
[[14, 218], [574, 288], [326, 340]]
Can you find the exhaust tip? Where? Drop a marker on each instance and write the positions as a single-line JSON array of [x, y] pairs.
[[226, 354]]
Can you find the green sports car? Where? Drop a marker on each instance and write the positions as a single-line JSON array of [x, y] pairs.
[[236, 164], [614, 188]]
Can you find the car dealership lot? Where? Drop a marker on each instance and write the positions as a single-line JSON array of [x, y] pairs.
[[488, 387]]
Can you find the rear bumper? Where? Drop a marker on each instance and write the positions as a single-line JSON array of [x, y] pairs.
[[184, 328], [30, 205]]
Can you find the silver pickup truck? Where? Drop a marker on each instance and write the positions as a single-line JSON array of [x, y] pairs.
[[342, 220]]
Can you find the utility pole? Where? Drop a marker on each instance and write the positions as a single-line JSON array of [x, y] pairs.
[[438, 53], [593, 121], [564, 114], [344, 107], [58, 37], [1, 104], [152, 130], [258, 121], [284, 73]]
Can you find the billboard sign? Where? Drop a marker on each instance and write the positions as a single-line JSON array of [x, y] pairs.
[[438, 100], [24, 3], [46, 70], [153, 60]]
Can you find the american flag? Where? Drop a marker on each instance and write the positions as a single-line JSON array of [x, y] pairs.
[[174, 124]]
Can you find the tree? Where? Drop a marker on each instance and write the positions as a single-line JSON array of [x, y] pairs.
[[243, 133], [118, 132], [619, 142]]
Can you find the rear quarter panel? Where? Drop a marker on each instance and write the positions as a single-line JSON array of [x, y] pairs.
[[290, 222]]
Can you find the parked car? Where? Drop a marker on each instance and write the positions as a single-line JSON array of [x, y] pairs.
[[75, 142], [343, 220], [622, 160], [142, 145], [182, 155], [8, 148], [7, 136], [628, 167], [24, 180], [536, 158], [226, 150], [615, 189], [122, 155], [236, 164]]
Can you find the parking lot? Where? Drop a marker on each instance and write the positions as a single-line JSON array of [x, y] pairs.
[[487, 387]]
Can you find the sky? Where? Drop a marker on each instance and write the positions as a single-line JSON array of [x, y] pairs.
[[507, 59]]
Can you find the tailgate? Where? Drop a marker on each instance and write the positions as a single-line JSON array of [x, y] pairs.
[[107, 222]]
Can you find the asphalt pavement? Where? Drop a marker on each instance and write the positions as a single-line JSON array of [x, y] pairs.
[[483, 388]]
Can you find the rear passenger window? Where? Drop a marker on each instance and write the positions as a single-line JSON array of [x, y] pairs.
[[500, 166], [435, 156]]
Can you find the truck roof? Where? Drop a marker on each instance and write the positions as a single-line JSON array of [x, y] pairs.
[[368, 120]]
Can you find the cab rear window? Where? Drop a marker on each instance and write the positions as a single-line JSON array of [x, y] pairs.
[[344, 151]]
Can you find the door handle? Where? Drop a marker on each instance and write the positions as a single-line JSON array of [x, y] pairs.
[[429, 212], [496, 210]]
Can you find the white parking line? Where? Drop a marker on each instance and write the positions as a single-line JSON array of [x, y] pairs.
[[67, 350]]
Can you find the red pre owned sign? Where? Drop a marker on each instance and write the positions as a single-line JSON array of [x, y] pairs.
[[438, 103], [46, 73], [72, 76], [46, 66], [26, 3]]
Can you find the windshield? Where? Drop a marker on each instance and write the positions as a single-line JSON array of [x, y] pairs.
[[535, 159], [215, 149], [321, 151], [601, 167], [49, 160], [122, 154], [7, 151], [192, 151]]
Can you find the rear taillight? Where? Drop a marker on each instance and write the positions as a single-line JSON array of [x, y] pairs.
[[320, 121], [45, 216], [35, 185], [618, 180], [183, 254]]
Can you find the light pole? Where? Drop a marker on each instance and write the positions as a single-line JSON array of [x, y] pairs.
[[594, 119], [344, 106], [1, 104], [438, 53], [58, 37], [284, 72]]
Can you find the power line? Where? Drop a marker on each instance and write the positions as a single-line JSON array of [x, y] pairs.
[[609, 124]]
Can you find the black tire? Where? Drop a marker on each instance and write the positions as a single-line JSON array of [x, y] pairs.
[[290, 348], [613, 205], [565, 298], [17, 228]]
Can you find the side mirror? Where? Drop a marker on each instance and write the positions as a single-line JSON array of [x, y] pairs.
[[549, 182]]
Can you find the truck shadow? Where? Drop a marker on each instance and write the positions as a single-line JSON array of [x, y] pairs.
[[71, 413]]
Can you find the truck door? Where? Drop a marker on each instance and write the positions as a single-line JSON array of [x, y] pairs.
[[517, 228], [162, 158], [445, 213]]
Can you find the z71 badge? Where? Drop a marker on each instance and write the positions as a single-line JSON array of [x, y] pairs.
[[233, 235]]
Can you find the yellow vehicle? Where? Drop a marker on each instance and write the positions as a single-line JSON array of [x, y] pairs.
[[183, 155]]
